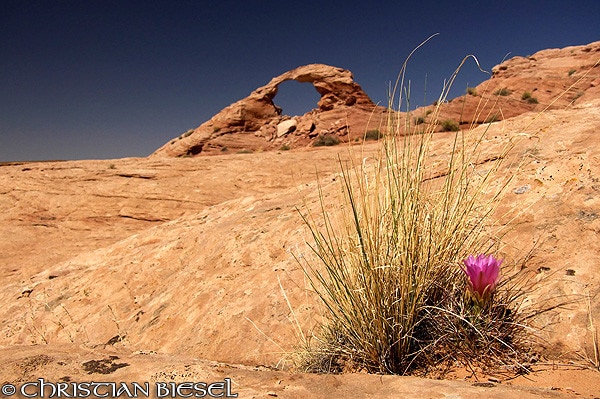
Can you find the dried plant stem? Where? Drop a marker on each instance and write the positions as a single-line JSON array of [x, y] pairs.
[[596, 361]]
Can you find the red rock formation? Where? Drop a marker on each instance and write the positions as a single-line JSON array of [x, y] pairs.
[[553, 79], [256, 123]]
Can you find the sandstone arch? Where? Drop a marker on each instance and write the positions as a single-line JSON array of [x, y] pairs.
[[252, 122]]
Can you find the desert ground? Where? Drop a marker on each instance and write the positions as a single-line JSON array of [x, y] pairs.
[[181, 266]]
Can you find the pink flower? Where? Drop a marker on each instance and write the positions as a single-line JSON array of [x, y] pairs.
[[483, 272]]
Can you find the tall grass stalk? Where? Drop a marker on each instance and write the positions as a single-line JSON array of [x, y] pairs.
[[388, 257]]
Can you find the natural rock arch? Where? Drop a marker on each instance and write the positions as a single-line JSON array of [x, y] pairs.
[[335, 85], [259, 114]]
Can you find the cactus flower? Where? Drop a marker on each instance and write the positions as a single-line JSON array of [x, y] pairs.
[[483, 273]]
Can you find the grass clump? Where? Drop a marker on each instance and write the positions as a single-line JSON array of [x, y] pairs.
[[326, 140], [374, 134], [503, 92], [388, 265], [449, 126], [472, 91], [529, 98]]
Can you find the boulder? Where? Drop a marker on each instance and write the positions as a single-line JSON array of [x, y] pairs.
[[286, 127]]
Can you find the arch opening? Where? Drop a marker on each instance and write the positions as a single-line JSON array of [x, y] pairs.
[[296, 98]]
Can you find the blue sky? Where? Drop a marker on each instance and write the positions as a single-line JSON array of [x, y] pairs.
[[109, 79]]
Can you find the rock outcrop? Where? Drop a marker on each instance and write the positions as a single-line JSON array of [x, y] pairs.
[[257, 123], [548, 79]]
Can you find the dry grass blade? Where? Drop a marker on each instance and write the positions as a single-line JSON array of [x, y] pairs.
[[595, 361]]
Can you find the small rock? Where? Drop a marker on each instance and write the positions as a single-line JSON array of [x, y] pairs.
[[484, 384], [522, 189], [305, 126]]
